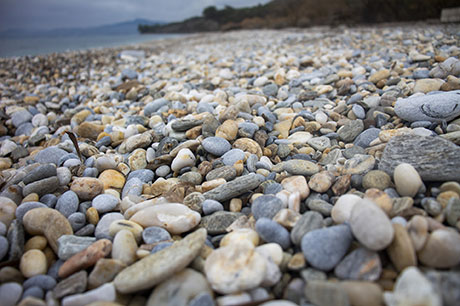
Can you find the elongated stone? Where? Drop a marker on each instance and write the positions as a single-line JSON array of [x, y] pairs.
[[233, 188], [157, 267], [434, 158]]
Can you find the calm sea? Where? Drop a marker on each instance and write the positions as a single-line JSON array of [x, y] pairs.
[[10, 47]]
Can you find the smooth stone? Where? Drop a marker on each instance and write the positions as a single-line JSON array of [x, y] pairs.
[[64, 175], [211, 206], [41, 187], [235, 267], [297, 167], [360, 264], [180, 289], [217, 146], [111, 178], [10, 293], [376, 179], [366, 137], [296, 183], [234, 188], [133, 227], [35, 292], [226, 172], [319, 143], [87, 188], [26, 207], [50, 155], [452, 211], [239, 235], [202, 299], [103, 227], [145, 175], [20, 117], [16, 238], [447, 283], [442, 249], [33, 262], [185, 158], [85, 258], [371, 226], [322, 293], [136, 141], [324, 248], [104, 272], [218, 222], [433, 107], [427, 85], [39, 173], [70, 245], [4, 246], [232, 156], [362, 293], [401, 251], [77, 221], [154, 234], [309, 221], [174, 217], [105, 203], [106, 293], [154, 106], [105, 162], [271, 231], [321, 181], [412, 288], [67, 203], [76, 283], [341, 211], [266, 206], [350, 130], [157, 267], [423, 152], [7, 210], [48, 222], [132, 187], [124, 247], [407, 180], [3, 229]]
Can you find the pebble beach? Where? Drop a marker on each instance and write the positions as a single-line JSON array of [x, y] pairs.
[[306, 167]]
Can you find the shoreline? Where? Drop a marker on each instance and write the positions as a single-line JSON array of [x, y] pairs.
[[292, 166]]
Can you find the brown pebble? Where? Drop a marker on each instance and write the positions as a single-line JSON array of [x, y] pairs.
[[86, 258], [87, 188], [92, 215], [32, 197], [37, 242]]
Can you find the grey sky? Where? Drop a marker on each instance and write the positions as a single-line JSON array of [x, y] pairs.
[[46, 14]]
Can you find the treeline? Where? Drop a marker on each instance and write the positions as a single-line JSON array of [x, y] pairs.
[[304, 13]]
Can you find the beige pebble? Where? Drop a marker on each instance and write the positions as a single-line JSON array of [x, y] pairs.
[[92, 215], [417, 228], [7, 211], [361, 293], [287, 218], [444, 197], [442, 249], [36, 242], [131, 226], [296, 183], [401, 251], [341, 211], [272, 251], [235, 205], [124, 247], [227, 130], [239, 235], [112, 179], [33, 262], [407, 180], [32, 197], [321, 182], [380, 198]]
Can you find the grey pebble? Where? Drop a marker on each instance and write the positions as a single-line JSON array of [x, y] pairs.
[[50, 155], [41, 187], [90, 172], [145, 175], [266, 206], [4, 245], [69, 245], [87, 230], [211, 206], [202, 299], [359, 111], [154, 234], [272, 231], [64, 175], [216, 145], [105, 203], [67, 203], [102, 228], [163, 171], [232, 157], [34, 291], [360, 264], [40, 172], [25, 207], [160, 246], [20, 117], [309, 221], [132, 187], [3, 229], [45, 282], [77, 220], [324, 248], [366, 137], [10, 293]]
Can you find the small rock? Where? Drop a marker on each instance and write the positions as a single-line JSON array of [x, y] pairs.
[[87, 188], [401, 251], [10, 293], [70, 245], [103, 227], [124, 247], [104, 272], [76, 283], [442, 249], [106, 293], [376, 179], [324, 293], [33, 263], [105, 203], [266, 206], [217, 146], [341, 211], [271, 231], [184, 158], [407, 180], [67, 203], [360, 264]]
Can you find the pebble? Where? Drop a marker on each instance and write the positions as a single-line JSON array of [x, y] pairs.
[[124, 247], [266, 206], [370, 225], [185, 158], [233, 188], [416, 150], [103, 227], [441, 249], [308, 222], [106, 293], [363, 293], [104, 272], [10, 293], [401, 251], [218, 222], [211, 206], [157, 267], [4, 246], [67, 203], [232, 156], [377, 179], [87, 188], [271, 231], [360, 264], [33, 262], [41, 187], [217, 146], [407, 180], [342, 209], [180, 289], [234, 268], [70, 245], [324, 248], [105, 203], [76, 283], [155, 234], [412, 288], [326, 293]]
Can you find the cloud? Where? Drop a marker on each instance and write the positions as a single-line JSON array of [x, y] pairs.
[[84, 13]]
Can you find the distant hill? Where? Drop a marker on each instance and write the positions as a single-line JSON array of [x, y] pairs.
[[304, 13], [120, 28]]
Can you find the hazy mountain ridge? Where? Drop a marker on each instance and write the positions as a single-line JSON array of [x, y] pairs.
[[119, 28]]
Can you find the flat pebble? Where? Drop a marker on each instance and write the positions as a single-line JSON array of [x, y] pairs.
[[105, 203], [67, 203], [271, 231], [102, 228], [266, 206], [10, 293], [154, 234], [217, 146], [211, 206]]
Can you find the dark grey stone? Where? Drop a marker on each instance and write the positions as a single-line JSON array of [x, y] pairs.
[[360, 264], [233, 188], [76, 283], [88, 230], [50, 155], [35, 292], [202, 299], [366, 137], [434, 158], [183, 125], [350, 130], [4, 245], [49, 200], [272, 231], [226, 172], [324, 248], [77, 221], [211, 206], [218, 222], [16, 240], [45, 282], [41, 172], [266, 206], [41, 187], [309, 221]]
